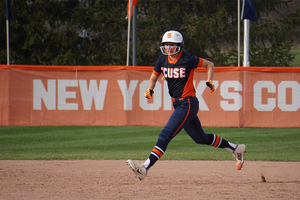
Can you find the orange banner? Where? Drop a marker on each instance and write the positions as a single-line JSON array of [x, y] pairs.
[[114, 95]]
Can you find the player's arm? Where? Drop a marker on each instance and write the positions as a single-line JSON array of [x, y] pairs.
[[210, 69], [210, 74], [152, 81], [151, 84]]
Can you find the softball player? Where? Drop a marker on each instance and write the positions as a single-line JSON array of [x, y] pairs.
[[178, 67]]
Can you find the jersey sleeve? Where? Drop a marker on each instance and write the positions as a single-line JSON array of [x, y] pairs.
[[200, 63], [156, 73], [195, 61], [157, 67]]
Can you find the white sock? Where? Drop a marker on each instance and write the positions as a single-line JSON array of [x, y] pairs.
[[146, 163], [232, 145]]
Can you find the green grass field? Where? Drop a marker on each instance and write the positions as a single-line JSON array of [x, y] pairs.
[[107, 142]]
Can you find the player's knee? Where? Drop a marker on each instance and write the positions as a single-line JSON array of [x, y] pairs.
[[202, 140], [164, 138]]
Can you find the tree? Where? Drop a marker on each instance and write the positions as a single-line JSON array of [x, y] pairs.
[[94, 32], [70, 32], [210, 30], [272, 41]]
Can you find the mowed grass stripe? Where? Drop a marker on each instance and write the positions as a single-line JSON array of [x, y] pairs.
[[123, 142]]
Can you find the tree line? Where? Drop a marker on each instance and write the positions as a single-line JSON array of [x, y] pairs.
[[94, 32]]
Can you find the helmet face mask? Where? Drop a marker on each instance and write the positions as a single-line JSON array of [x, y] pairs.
[[171, 50], [171, 37]]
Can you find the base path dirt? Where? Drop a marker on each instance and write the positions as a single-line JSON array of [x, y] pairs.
[[112, 179]]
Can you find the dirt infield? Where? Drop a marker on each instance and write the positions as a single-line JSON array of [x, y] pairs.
[[112, 179]]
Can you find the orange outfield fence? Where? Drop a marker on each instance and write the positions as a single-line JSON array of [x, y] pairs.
[[114, 95]]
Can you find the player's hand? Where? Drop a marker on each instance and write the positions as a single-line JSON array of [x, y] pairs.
[[211, 85], [149, 94]]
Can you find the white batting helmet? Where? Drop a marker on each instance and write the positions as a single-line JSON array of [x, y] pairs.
[[173, 37]]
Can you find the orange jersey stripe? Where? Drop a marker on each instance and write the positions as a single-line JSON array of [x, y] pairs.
[[189, 89], [200, 62], [155, 73], [184, 118]]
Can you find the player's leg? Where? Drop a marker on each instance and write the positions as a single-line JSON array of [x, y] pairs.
[[196, 132], [183, 113], [156, 153]]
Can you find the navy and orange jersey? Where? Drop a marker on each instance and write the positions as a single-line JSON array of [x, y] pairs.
[[179, 73]]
